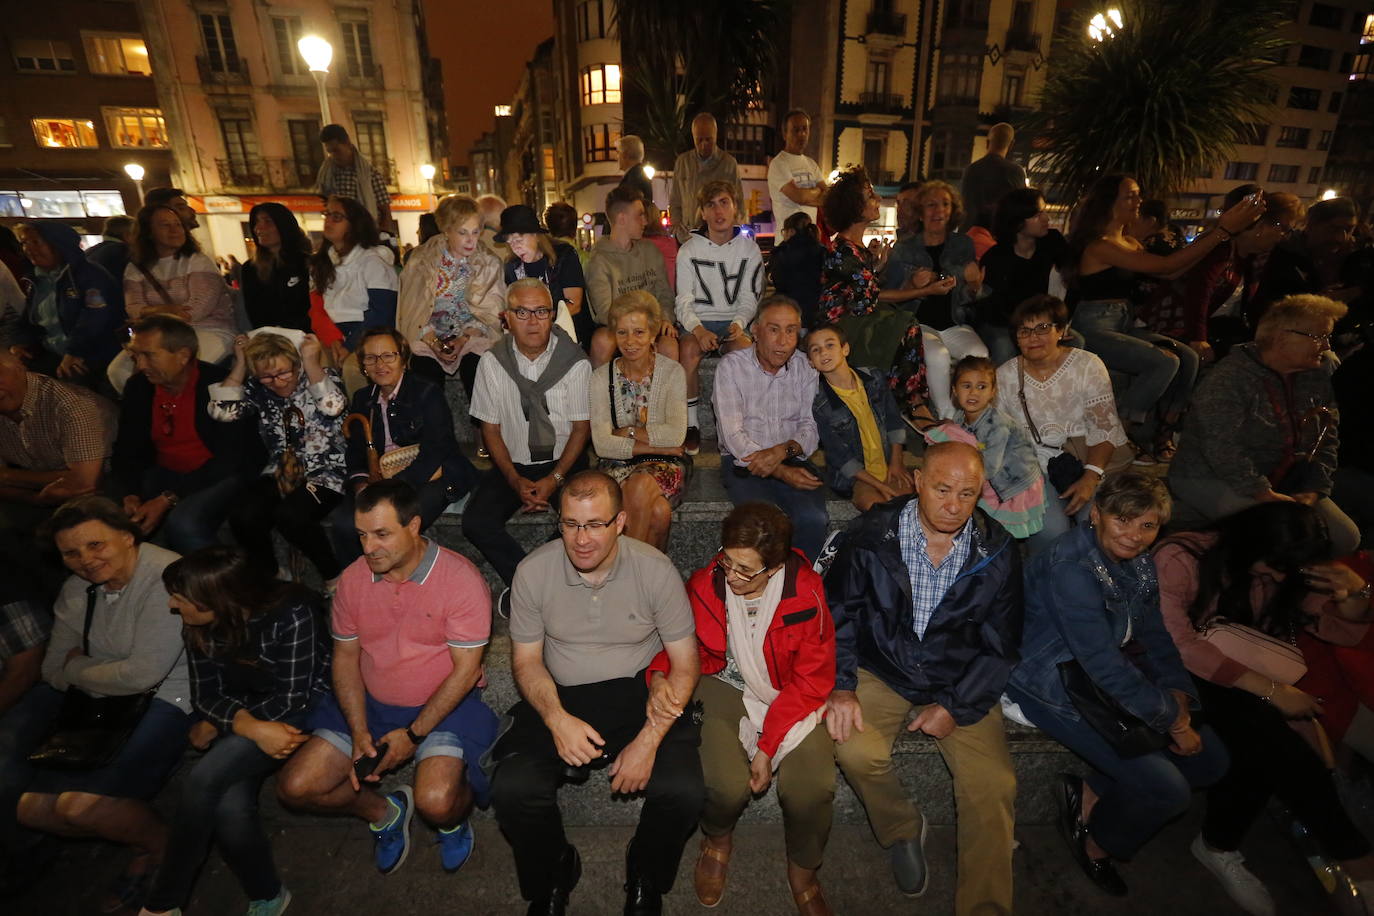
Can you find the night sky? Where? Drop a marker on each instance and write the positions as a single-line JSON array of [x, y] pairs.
[[484, 45]]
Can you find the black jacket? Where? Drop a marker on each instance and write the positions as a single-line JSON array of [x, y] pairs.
[[282, 300], [234, 447], [417, 414], [973, 639]]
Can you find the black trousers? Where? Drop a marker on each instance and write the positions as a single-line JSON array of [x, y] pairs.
[[429, 369], [1268, 758], [299, 516], [529, 772], [491, 505]]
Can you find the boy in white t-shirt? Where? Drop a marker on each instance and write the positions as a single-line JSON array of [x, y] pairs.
[[794, 178]]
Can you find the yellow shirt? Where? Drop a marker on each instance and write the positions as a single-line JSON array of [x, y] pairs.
[[856, 399]]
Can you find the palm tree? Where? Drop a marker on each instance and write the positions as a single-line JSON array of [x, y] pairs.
[[1165, 96], [680, 58]]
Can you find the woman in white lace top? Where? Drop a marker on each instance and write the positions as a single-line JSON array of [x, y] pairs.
[[1068, 407]]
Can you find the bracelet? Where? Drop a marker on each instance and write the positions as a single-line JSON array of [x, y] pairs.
[[558, 478], [1269, 697], [1095, 469]]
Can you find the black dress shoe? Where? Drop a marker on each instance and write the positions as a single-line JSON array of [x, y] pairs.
[[1100, 871], [642, 898], [565, 878]]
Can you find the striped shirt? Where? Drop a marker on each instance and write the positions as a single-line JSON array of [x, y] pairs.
[[929, 583], [495, 399], [59, 425], [756, 409], [24, 625]]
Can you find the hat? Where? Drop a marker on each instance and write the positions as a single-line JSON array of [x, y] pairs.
[[518, 218]]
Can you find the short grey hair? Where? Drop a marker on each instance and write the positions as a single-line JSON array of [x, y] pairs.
[[527, 283], [633, 147], [175, 334]]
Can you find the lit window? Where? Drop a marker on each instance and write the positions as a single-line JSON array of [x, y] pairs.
[[136, 128], [601, 84], [1283, 174], [40, 56], [286, 31], [599, 142], [1293, 137], [64, 133], [502, 111], [117, 55]]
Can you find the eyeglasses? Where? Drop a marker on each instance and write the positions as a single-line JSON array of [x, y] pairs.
[[570, 527], [1315, 338], [388, 358], [1040, 330], [731, 570], [276, 376], [334, 216], [526, 314]]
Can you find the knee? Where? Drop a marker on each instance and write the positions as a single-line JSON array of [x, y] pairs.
[[295, 786], [78, 809], [1169, 794], [438, 802], [683, 793], [990, 788], [519, 783], [860, 757]]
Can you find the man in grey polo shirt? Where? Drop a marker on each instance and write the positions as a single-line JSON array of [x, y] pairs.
[[588, 614]]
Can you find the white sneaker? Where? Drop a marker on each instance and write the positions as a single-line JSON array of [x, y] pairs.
[[1245, 889]]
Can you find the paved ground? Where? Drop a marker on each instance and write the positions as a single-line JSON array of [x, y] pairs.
[[327, 864]]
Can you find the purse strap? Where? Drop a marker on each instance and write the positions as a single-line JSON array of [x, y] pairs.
[[90, 617], [161, 290], [1021, 394]]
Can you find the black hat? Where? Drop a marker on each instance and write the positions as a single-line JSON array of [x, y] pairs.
[[518, 218]]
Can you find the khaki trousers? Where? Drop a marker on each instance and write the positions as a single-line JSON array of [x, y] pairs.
[[984, 792], [805, 778]]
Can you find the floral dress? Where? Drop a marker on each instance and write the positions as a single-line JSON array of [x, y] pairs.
[[629, 407], [451, 315], [849, 298]]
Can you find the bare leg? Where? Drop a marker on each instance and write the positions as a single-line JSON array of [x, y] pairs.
[[442, 794], [647, 512], [1089, 802], [127, 821], [316, 779]]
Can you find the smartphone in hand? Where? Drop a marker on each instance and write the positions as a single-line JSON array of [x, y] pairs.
[[364, 766]]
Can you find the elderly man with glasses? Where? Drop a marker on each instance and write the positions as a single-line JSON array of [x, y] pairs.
[[531, 398], [589, 614]]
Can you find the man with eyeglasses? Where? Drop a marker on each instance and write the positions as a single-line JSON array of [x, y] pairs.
[[177, 469], [588, 615], [531, 398]]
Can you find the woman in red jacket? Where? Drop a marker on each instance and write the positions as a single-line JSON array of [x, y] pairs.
[[767, 665]]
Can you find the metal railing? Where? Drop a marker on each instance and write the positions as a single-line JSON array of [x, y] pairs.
[[227, 71], [1022, 40], [242, 173], [882, 102], [884, 22]]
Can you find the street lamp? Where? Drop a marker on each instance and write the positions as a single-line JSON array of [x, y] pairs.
[[318, 53], [135, 171], [427, 173], [1329, 194], [1105, 25], [650, 172]]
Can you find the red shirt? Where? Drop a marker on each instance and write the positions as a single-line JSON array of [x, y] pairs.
[[175, 439]]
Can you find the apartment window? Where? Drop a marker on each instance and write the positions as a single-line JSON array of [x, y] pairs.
[[1359, 67], [64, 133], [598, 142], [1314, 174], [357, 40], [1304, 98], [117, 55], [600, 84], [1333, 106], [1293, 137], [1241, 171], [36, 55], [1326, 16], [1367, 33], [875, 160], [135, 128], [1347, 64], [751, 144], [960, 75], [240, 148], [1324, 141], [306, 152], [1283, 174], [591, 20], [221, 53], [369, 136], [1314, 58], [1011, 90], [1253, 134], [877, 79], [286, 31]]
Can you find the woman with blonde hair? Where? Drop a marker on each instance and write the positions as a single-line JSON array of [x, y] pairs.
[[452, 296], [639, 419]]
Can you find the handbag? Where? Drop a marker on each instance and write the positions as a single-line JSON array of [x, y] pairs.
[[1266, 655], [1064, 469], [1126, 733], [290, 472], [385, 467], [91, 730]]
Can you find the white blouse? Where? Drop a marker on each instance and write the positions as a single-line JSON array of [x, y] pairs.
[[1076, 401]]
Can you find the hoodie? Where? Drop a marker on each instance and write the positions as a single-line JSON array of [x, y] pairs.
[[718, 282], [89, 302], [612, 271]]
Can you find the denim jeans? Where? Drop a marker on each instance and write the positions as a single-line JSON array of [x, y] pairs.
[[1056, 522], [23, 728], [219, 802], [1136, 796], [1162, 370], [806, 508], [196, 519]]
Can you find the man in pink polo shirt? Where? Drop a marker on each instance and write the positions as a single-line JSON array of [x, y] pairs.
[[410, 620]]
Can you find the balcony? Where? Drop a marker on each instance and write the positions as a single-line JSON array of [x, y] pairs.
[[360, 77], [1022, 40], [222, 71], [245, 174], [885, 22], [881, 102]]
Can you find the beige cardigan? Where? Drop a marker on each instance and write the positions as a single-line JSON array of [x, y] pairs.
[[415, 303], [667, 424]]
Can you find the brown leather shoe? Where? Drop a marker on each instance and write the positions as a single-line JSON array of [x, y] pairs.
[[709, 876], [811, 902]]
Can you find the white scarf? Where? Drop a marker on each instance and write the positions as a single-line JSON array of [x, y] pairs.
[[746, 639]]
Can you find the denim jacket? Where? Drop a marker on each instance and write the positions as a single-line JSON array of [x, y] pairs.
[[910, 255], [1080, 604], [839, 428], [1009, 458]]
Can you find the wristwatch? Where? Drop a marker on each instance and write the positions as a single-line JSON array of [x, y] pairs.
[[793, 450], [558, 478], [414, 738]]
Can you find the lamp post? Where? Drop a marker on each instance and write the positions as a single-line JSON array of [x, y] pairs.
[[1105, 25], [135, 172], [318, 53], [427, 173]]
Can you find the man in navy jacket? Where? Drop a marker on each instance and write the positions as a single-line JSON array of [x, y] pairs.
[[926, 596]]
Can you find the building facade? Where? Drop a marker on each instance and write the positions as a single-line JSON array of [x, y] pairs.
[[244, 116], [529, 162], [80, 104]]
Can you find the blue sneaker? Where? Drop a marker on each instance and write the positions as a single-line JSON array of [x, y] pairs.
[[273, 907], [455, 846], [393, 842]]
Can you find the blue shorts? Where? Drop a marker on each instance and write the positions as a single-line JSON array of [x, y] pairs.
[[465, 733]]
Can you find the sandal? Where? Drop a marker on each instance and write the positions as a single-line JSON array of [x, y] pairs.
[[811, 902], [710, 887]]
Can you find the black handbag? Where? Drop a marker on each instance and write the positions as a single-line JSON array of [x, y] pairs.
[[1127, 734], [90, 731]]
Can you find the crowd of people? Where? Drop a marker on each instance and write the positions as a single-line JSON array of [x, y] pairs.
[[1200, 627]]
